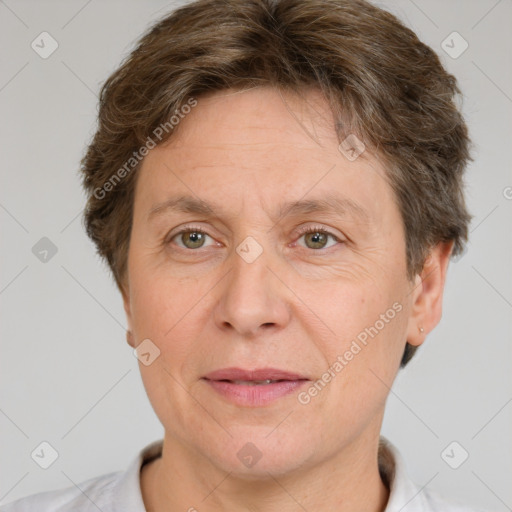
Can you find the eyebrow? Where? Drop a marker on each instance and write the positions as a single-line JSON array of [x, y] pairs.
[[184, 204], [330, 203]]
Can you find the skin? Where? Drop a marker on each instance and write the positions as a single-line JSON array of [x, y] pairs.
[[297, 307]]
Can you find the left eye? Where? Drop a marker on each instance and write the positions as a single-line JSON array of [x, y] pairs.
[[318, 239]]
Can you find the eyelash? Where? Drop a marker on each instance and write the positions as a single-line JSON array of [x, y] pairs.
[[300, 232]]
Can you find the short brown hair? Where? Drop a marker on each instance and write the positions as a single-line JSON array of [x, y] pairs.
[[382, 83]]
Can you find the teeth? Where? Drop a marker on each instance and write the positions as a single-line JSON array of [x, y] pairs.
[[252, 382]]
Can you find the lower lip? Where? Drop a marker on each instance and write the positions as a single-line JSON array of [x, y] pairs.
[[257, 395]]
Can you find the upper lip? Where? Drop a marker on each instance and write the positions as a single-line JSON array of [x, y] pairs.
[[258, 374]]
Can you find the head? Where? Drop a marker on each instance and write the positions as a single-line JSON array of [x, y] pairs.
[[328, 134]]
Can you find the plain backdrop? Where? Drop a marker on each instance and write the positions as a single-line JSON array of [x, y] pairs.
[[67, 375]]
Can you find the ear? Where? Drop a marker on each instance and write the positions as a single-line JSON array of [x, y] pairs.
[[427, 304], [125, 293]]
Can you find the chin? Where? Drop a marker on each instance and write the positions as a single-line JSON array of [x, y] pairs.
[[254, 454]]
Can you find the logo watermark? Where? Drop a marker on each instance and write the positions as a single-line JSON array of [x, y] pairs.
[[137, 156], [355, 348]]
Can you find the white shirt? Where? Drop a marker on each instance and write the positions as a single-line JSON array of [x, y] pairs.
[[120, 491]]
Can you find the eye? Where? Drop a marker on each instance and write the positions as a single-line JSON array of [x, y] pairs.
[[190, 238], [317, 238]]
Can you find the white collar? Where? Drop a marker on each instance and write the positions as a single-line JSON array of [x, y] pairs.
[[405, 496]]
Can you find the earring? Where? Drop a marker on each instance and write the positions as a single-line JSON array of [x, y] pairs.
[[421, 329]]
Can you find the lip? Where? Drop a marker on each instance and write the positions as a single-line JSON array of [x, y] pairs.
[[257, 374], [226, 383]]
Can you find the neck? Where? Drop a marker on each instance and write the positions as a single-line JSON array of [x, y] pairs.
[[346, 482]]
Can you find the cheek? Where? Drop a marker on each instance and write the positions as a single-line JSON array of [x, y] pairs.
[[367, 323], [167, 316], [361, 364], [158, 299], [172, 313], [350, 303]]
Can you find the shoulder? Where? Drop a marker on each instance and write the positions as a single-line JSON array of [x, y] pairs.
[[406, 495], [113, 492], [88, 496], [432, 502]]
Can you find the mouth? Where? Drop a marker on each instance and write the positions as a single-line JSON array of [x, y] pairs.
[[252, 382], [254, 388]]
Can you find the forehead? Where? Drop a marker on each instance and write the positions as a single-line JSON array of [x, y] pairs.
[[263, 147], [257, 120]]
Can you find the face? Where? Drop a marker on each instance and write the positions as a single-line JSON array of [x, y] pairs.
[[260, 252]]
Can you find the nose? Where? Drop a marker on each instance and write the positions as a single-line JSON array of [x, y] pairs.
[[252, 299]]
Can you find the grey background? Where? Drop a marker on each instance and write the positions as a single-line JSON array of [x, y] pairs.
[[69, 378]]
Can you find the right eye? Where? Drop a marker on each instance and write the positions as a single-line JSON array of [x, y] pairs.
[[190, 238]]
